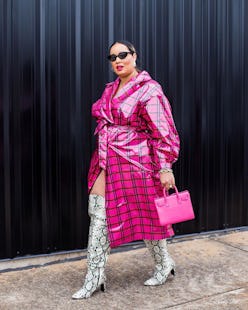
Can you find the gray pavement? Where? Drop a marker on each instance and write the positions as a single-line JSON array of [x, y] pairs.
[[212, 273]]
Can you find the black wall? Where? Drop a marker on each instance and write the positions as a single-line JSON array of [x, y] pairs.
[[53, 66]]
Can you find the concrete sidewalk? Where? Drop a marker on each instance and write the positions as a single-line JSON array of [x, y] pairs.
[[212, 273]]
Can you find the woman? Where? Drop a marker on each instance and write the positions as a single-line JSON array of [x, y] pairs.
[[137, 144]]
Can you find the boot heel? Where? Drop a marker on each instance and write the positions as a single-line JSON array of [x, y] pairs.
[[102, 287]]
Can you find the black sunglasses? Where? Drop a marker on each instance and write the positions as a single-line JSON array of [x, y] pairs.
[[121, 55]]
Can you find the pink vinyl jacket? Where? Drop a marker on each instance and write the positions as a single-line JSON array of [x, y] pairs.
[[136, 138]]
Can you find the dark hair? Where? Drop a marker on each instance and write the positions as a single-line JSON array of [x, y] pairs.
[[130, 47], [128, 44]]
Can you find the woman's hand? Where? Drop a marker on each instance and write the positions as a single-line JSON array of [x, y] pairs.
[[167, 180]]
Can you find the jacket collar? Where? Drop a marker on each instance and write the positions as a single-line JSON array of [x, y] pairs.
[[131, 86]]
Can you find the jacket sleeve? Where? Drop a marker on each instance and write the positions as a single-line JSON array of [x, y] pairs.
[[164, 139]]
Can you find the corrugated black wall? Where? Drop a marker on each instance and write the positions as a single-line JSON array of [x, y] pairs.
[[53, 66]]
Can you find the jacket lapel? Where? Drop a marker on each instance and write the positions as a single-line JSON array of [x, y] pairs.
[[134, 84]]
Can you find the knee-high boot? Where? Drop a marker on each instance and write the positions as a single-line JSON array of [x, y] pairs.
[[164, 264], [98, 249]]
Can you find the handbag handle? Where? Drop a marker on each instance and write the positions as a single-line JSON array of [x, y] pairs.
[[165, 192]]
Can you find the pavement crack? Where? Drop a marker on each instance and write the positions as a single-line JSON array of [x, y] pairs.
[[204, 297], [230, 245]]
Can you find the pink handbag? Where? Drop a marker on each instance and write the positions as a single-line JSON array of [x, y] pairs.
[[174, 208]]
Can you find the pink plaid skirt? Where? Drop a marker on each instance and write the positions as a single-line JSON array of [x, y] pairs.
[[130, 193]]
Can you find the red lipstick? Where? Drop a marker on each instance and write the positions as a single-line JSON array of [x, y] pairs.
[[119, 68]]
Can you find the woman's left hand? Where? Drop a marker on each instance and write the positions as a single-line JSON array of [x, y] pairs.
[[167, 180]]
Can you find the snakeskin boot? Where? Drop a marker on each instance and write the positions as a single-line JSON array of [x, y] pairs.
[[164, 264], [98, 249]]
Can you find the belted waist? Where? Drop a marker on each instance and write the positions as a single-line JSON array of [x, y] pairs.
[[114, 127], [106, 134], [123, 127]]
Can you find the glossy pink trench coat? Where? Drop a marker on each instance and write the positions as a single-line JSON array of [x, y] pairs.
[[136, 138]]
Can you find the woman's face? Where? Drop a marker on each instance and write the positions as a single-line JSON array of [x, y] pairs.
[[123, 67]]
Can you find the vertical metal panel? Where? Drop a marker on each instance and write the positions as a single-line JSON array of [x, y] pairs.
[[6, 227], [53, 67]]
